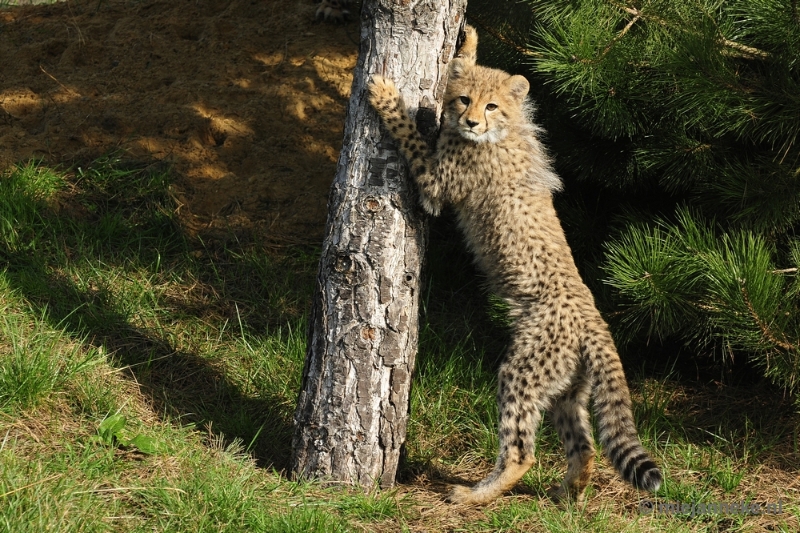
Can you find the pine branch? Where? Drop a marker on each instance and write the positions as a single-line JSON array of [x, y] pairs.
[[765, 331], [745, 51], [748, 52], [622, 33], [786, 152]]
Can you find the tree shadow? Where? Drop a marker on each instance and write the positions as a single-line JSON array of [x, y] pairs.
[[128, 227], [456, 301]]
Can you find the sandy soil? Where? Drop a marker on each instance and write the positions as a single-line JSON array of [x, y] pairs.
[[244, 99]]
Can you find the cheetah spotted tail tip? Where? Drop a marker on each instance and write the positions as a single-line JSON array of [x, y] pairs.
[[648, 476], [637, 467]]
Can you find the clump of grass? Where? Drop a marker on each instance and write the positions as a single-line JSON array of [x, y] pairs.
[[24, 195], [35, 359], [453, 400], [381, 506]]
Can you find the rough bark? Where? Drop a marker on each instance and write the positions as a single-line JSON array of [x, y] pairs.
[[352, 412]]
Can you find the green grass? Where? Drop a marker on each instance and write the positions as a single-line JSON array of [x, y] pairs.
[[148, 382], [14, 3]]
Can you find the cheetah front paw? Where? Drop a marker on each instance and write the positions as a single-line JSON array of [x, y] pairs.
[[383, 94]]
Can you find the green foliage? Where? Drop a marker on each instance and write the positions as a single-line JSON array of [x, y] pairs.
[[34, 361], [301, 520], [104, 314], [110, 433], [371, 508], [690, 93], [453, 403], [680, 278], [726, 476]]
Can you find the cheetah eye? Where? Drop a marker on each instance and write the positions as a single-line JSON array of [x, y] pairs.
[[491, 107], [464, 100]]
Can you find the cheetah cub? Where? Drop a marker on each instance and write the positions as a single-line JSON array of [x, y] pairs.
[[490, 166]]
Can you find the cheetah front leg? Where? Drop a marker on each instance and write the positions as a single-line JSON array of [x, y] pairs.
[[386, 100]]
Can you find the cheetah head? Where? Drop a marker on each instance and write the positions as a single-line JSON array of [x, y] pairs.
[[483, 104]]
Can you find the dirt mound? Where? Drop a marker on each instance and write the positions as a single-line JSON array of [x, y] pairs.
[[244, 99]]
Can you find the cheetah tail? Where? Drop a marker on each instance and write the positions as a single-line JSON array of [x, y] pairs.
[[612, 406]]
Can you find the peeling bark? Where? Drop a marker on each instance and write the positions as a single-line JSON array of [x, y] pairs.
[[352, 412]]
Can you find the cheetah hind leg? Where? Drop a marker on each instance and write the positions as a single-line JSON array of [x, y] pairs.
[[571, 419]]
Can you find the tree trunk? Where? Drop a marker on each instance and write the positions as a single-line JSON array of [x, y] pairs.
[[351, 417]]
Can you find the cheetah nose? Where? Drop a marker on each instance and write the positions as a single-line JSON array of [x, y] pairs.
[[472, 123]]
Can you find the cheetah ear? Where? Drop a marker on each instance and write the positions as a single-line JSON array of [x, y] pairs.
[[518, 87], [457, 68]]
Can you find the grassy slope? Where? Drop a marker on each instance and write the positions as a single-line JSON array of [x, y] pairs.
[[106, 308]]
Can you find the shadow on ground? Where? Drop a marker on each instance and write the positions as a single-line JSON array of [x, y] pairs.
[[111, 239]]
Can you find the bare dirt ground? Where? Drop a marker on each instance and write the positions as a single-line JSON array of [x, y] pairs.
[[243, 99]]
